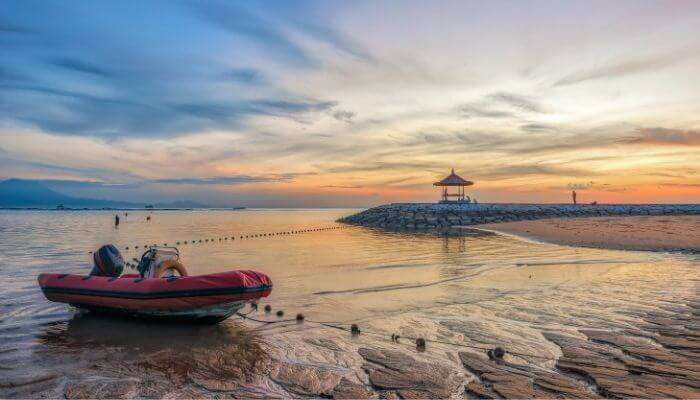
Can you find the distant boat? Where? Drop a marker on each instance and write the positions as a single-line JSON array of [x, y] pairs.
[[149, 206], [60, 207]]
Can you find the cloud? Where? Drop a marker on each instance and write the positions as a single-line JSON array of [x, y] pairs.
[[665, 137], [225, 180], [9, 165], [77, 113], [519, 102], [533, 127], [475, 111], [216, 112], [344, 115], [629, 67], [10, 75], [229, 112], [248, 25], [385, 166], [597, 187], [82, 67], [682, 185], [69, 184], [340, 187], [336, 39], [69, 77], [539, 142], [514, 171], [57, 92], [501, 105], [243, 75], [10, 28], [580, 186], [282, 107]]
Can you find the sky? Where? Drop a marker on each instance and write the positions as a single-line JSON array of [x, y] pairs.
[[352, 104]]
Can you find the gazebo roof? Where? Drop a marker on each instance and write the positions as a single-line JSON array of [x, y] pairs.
[[453, 180]]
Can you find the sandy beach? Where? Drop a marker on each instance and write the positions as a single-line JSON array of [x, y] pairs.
[[651, 233]]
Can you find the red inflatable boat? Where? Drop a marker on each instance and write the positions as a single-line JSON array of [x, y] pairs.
[[205, 298]]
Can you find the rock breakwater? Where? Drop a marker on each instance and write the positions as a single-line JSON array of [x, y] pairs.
[[430, 216]]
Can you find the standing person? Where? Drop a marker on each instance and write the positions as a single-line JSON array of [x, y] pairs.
[[573, 195], [116, 220]]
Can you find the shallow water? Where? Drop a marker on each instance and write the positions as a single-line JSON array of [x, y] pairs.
[[478, 290]]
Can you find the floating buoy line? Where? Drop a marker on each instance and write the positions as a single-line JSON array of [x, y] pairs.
[[227, 239]]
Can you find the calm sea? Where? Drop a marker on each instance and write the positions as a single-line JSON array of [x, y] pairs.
[[480, 289]]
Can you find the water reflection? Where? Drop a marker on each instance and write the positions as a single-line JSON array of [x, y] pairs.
[[90, 330], [452, 244], [156, 357]]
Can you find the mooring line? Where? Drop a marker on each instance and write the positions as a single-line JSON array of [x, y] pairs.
[[495, 353], [355, 331]]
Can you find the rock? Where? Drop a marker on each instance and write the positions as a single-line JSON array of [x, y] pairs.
[[214, 383], [324, 343], [306, 380], [478, 390], [101, 389], [517, 381], [27, 381], [429, 216], [347, 389], [628, 367], [394, 370], [154, 388], [27, 386], [183, 393]]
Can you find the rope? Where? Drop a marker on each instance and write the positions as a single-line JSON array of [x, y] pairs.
[[384, 335], [241, 236], [245, 316]]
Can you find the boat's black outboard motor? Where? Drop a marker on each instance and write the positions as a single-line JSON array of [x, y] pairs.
[[108, 261]]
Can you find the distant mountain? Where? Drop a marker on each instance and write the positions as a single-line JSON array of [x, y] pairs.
[[28, 193]]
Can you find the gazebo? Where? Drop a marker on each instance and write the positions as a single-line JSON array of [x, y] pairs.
[[454, 180]]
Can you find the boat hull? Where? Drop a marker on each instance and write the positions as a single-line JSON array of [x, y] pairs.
[[204, 298], [204, 315]]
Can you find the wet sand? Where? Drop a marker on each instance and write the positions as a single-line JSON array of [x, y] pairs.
[[652, 233], [656, 354]]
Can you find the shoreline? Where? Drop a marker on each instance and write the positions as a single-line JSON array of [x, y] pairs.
[[632, 233]]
